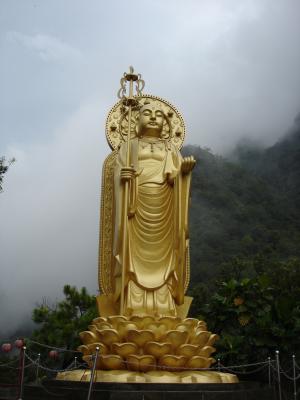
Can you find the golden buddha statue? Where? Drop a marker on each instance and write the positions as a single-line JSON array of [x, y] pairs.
[[155, 263], [143, 333]]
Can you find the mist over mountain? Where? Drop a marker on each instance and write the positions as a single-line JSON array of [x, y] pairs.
[[246, 205], [278, 164]]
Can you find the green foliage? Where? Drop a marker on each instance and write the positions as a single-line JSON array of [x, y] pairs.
[[61, 324], [9, 373], [255, 316]]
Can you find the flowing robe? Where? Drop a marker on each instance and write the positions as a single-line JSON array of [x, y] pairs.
[[156, 262]]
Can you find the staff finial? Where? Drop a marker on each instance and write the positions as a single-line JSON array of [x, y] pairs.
[[131, 77]]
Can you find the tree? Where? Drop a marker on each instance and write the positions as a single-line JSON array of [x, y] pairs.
[[3, 169], [60, 325], [257, 315]]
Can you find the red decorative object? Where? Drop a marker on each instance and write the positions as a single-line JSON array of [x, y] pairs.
[[19, 343], [6, 347], [53, 354]]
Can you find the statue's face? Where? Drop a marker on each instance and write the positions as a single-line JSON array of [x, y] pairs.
[[150, 122]]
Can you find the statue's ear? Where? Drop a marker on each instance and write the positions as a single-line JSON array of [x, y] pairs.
[[167, 128]]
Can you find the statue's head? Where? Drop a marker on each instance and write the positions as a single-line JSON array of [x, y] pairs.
[[150, 120]]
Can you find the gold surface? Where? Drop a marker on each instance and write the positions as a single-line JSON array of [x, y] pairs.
[[121, 376], [117, 122], [144, 239], [142, 332], [147, 343]]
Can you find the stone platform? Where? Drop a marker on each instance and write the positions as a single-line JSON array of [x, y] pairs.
[[68, 390]]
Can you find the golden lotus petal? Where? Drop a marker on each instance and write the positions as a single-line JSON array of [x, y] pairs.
[[191, 322], [206, 351], [172, 363], [116, 319], [141, 363], [103, 325], [88, 337], [198, 362], [212, 360], [183, 327], [212, 339], [170, 322], [98, 320], [202, 326], [88, 359], [124, 349], [140, 337], [158, 329], [102, 348], [137, 320], [209, 362], [176, 338], [108, 336], [93, 328], [200, 338], [158, 349], [147, 320], [142, 321], [187, 350], [111, 361], [83, 349], [124, 326]]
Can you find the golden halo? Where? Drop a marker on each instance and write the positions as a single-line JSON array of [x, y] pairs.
[[116, 128]]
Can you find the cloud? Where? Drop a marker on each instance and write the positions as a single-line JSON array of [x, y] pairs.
[[48, 48], [50, 216], [232, 69]]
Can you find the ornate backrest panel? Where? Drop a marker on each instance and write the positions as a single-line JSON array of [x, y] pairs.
[[188, 269], [106, 225]]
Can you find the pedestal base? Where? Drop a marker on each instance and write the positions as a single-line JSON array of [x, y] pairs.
[[123, 376]]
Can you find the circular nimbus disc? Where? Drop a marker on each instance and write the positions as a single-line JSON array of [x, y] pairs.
[[117, 121]]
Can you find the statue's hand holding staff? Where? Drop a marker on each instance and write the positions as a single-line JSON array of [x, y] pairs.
[[127, 174]]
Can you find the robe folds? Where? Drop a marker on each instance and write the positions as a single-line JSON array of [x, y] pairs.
[[156, 261]]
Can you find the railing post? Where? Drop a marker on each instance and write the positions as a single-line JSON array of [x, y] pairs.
[[23, 351], [37, 367], [294, 377], [269, 371], [278, 374], [219, 365], [93, 373], [75, 362]]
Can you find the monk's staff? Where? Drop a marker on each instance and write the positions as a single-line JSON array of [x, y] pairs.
[[129, 102]]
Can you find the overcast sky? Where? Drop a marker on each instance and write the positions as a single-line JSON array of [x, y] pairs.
[[230, 66]]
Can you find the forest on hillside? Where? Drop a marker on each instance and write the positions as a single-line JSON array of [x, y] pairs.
[[245, 247], [245, 206]]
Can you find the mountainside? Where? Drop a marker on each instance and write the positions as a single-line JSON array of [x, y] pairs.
[[279, 164], [246, 207]]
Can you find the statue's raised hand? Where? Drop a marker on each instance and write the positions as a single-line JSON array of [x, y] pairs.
[[187, 164]]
